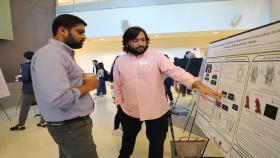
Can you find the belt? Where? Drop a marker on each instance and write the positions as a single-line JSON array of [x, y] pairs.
[[69, 121]]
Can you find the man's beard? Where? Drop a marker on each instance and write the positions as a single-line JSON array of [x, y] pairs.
[[137, 52], [71, 42]]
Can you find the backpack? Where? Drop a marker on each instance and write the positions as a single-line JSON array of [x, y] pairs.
[[106, 76]]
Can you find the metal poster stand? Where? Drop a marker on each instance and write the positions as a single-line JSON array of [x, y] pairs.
[[5, 112], [4, 91]]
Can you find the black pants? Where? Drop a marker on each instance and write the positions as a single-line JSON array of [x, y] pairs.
[[155, 130], [168, 82], [117, 120], [168, 91], [184, 90]]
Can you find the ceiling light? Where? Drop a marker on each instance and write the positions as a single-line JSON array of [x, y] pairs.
[[216, 32], [101, 39]]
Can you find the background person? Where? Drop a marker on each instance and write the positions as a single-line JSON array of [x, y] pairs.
[[183, 63], [117, 120], [101, 89], [94, 67], [168, 82], [28, 97]]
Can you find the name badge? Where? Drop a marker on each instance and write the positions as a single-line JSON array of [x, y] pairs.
[[143, 62]]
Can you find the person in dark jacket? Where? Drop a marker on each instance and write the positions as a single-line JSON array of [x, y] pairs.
[[101, 89], [117, 120], [183, 63], [95, 67], [168, 82], [28, 97]]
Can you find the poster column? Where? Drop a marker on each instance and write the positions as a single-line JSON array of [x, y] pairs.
[[226, 111], [259, 126]]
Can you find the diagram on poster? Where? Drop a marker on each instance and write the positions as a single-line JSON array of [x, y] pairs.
[[259, 127], [226, 111], [4, 91]]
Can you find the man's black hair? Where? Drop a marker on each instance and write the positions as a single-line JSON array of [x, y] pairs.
[[28, 55], [187, 52], [67, 21], [130, 34]]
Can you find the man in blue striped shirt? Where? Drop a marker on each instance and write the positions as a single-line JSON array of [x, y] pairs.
[[62, 89]]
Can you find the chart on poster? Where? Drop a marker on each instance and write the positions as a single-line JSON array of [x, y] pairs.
[[4, 91]]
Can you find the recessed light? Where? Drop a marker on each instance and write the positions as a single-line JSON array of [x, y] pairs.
[[216, 32], [157, 35], [101, 39]]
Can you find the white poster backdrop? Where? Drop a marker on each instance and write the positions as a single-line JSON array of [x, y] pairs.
[[245, 123], [4, 91]]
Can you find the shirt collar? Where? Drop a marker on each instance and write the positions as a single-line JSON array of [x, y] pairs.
[[62, 45]]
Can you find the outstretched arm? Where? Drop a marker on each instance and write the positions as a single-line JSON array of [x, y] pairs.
[[206, 91]]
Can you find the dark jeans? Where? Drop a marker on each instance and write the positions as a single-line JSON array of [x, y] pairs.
[[155, 130], [168, 90], [27, 101], [117, 120], [101, 87], [74, 139]]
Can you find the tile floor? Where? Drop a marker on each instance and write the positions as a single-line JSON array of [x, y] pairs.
[[35, 142]]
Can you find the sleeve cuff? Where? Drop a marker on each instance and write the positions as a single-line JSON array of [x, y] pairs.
[[77, 95]]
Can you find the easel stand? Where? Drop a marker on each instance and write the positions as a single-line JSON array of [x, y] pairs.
[[5, 112], [186, 147], [172, 131], [179, 110]]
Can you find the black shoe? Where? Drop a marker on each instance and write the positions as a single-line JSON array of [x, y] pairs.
[[17, 128], [44, 124], [183, 95]]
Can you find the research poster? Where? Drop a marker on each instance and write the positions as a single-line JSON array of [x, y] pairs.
[[246, 121]]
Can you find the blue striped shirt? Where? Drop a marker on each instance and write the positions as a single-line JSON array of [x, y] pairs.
[[56, 78]]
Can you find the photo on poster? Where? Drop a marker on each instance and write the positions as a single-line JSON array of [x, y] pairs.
[[208, 68], [270, 111]]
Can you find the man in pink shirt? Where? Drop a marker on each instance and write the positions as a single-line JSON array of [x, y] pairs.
[[139, 90]]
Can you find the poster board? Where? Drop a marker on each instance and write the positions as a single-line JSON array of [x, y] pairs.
[[245, 68], [4, 91]]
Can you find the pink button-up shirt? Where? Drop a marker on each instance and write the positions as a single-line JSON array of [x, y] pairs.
[[138, 83]]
